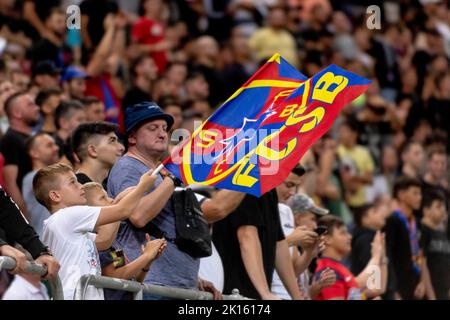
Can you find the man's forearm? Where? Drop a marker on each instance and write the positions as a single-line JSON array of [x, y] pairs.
[[429, 291], [221, 204], [285, 269], [301, 262], [106, 235], [252, 257], [152, 204]]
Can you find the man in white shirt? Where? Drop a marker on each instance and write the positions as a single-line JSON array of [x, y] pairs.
[[293, 236]]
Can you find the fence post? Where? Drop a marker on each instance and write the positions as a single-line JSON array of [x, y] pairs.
[[9, 263]]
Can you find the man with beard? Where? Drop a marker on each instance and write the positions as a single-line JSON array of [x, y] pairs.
[[43, 151], [22, 114]]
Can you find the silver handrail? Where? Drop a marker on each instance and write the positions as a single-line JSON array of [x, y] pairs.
[[138, 289], [9, 263]]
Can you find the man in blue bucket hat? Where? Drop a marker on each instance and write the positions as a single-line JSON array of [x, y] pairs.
[[147, 127]]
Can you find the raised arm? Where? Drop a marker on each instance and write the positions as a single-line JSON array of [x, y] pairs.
[[152, 204], [125, 207]]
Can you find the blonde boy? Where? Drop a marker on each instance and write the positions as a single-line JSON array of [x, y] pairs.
[[70, 230]]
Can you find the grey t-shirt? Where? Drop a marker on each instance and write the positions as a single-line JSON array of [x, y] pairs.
[[174, 268]]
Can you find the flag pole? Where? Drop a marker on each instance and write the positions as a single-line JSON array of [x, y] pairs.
[[157, 170]]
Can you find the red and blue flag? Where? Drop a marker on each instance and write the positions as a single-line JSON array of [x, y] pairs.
[[254, 140]]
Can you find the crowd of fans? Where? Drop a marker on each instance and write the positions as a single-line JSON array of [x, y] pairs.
[[87, 113]]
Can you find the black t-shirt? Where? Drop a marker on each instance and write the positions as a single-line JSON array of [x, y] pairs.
[[436, 247], [259, 212], [45, 50], [12, 146], [134, 95], [361, 249], [82, 178], [401, 274], [427, 188]]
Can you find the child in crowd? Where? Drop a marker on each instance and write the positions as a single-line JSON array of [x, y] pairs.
[[69, 232], [114, 261]]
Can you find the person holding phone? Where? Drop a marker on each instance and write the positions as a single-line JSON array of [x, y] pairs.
[[306, 214], [308, 239]]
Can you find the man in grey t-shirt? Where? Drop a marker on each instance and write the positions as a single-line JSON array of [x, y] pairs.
[[147, 135], [43, 152]]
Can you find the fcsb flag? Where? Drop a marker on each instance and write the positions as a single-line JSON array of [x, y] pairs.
[[254, 140]]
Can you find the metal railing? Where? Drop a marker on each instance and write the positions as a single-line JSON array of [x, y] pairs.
[[9, 263], [139, 289]]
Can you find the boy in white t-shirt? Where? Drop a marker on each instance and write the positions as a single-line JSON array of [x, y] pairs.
[[70, 230]]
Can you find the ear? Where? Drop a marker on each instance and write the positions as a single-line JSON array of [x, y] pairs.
[[92, 152], [46, 109], [327, 238], [33, 154], [132, 139], [54, 196]]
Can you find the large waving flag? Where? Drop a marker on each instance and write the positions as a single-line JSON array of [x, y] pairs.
[[254, 140]]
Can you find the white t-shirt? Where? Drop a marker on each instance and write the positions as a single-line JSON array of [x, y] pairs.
[[288, 226], [211, 269], [69, 234], [21, 289]]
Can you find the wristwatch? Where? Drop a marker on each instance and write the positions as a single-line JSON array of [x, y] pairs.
[[176, 182], [46, 253]]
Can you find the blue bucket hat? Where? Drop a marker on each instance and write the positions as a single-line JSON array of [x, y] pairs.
[[141, 112]]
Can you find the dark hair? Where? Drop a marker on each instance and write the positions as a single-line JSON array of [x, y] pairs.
[[299, 170], [85, 132], [191, 102], [29, 143], [360, 212], [404, 183], [436, 150], [136, 62], [10, 101], [407, 145], [44, 95], [436, 137], [432, 196], [352, 124], [331, 223], [166, 101], [194, 74], [87, 101], [66, 109]]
